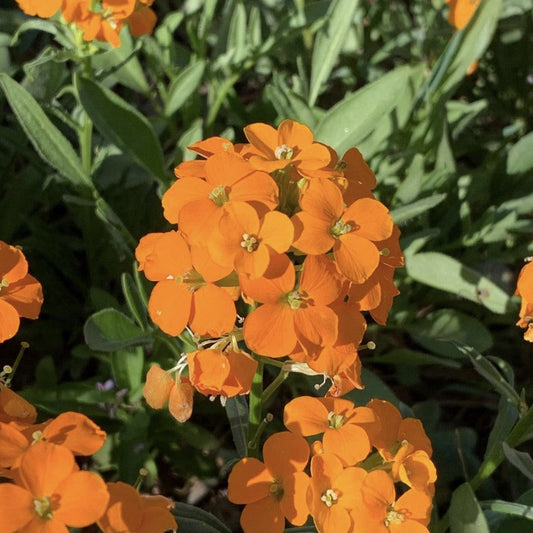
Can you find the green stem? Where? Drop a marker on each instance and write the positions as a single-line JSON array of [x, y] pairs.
[[494, 459], [269, 391], [86, 134], [23, 347], [256, 408]]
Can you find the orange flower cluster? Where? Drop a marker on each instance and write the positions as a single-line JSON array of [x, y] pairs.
[[362, 453], [48, 492], [21, 295], [524, 289], [98, 20], [285, 225]]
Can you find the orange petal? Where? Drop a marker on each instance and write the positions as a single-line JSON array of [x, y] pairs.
[[213, 311], [357, 258], [294, 501], [208, 370], [350, 443], [315, 327], [182, 192], [170, 257], [157, 515], [26, 296], [16, 507], [226, 168], [142, 21], [258, 189], [9, 321], [14, 407], [320, 280], [285, 452], [206, 265], [210, 146], [306, 416], [294, 134], [243, 368], [390, 419], [124, 510], [157, 387], [370, 219], [263, 516], [170, 306], [277, 231], [263, 137], [249, 481], [180, 401], [13, 264], [417, 504], [12, 444], [311, 234]]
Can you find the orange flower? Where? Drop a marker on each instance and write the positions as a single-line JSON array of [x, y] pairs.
[[50, 493], [273, 490], [324, 223], [198, 204], [346, 381], [246, 242], [75, 431], [291, 144], [524, 289], [143, 18], [461, 12], [182, 296], [333, 493], [40, 8], [226, 373], [381, 512], [14, 408], [129, 511], [21, 295], [339, 420], [292, 315], [161, 387]]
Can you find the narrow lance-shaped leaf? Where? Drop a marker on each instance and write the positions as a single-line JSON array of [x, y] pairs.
[[466, 515]]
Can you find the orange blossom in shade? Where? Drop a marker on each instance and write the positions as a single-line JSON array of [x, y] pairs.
[[14, 408], [40, 8], [524, 289], [73, 430], [291, 144], [325, 223], [376, 293], [380, 511], [346, 381], [21, 294], [50, 493], [143, 18], [292, 315], [247, 242], [461, 12], [273, 490], [197, 204], [182, 296], [161, 387], [226, 373], [334, 491], [344, 426], [128, 511]]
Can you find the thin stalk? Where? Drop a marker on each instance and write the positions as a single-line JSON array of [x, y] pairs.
[[271, 389], [256, 408], [23, 347], [86, 134]]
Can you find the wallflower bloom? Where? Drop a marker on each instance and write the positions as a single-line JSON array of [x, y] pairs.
[[524, 289], [51, 493], [40, 8], [273, 490], [381, 512], [14, 408], [128, 511], [21, 295]]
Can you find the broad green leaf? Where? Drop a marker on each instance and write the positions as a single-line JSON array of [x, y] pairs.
[[466, 515], [328, 43], [47, 140], [109, 330], [353, 118], [521, 460], [405, 356], [520, 157], [237, 413], [375, 387], [128, 368], [447, 274], [122, 125], [183, 86], [193, 519], [439, 330], [405, 212], [236, 44], [465, 47]]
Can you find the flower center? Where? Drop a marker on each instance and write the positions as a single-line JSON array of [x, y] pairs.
[[340, 228], [249, 242], [283, 152], [3, 283], [297, 299], [43, 507], [36, 436], [219, 195], [276, 490], [336, 421], [330, 497], [341, 165], [393, 517]]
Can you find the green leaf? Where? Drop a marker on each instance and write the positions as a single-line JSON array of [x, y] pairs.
[[405, 356], [109, 330], [375, 387], [438, 330], [354, 117], [405, 212], [510, 508], [134, 300], [504, 423], [128, 366], [47, 140], [447, 274], [122, 125], [237, 412], [192, 519], [236, 44], [521, 460], [466, 515], [520, 157], [183, 86], [328, 43]]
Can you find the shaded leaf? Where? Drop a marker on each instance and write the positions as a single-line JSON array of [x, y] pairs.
[[466, 515]]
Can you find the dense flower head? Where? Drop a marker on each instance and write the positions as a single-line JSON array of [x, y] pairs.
[[21, 295], [102, 20]]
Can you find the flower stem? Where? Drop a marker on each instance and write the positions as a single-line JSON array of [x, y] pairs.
[[86, 133], [256, 408], [23, 347], [269, 391]]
